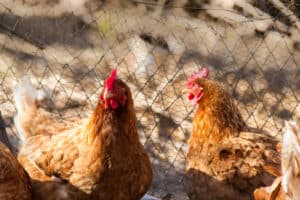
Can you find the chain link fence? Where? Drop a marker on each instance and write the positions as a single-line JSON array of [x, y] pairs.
[[69, 47]]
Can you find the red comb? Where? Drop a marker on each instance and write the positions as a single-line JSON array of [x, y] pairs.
[[202, 73], [110, 80]]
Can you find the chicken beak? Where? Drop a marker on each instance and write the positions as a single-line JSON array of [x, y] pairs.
[[107, 94], [185, 91]]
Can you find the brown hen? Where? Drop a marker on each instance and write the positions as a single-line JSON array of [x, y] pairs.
[[14, 181], [102, 158], [16, 184], [287, 186], [223, 162]]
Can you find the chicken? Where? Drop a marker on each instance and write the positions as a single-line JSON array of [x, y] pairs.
[[14, 181], [103, 157], [290, 160], [3, 135], [16, 184], [56, 190], [224, 160], [273, 192], [287, 186]]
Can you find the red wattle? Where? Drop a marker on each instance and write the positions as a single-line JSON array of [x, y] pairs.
[[106, 103], [113, 104]]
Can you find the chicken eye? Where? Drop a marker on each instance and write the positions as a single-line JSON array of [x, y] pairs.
[[191, 96]]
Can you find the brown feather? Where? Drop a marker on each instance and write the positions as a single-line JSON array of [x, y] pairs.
[[273, 192], [54, 190], [14, 181]]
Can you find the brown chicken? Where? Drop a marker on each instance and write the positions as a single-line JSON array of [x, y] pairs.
[[223, 162], [14, 181], [273, 192], [287, 186], [103, 158]]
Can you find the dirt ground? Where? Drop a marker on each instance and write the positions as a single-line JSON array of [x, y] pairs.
[[69, 50]]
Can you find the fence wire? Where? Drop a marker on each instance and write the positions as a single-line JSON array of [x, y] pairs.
[[69, 47]]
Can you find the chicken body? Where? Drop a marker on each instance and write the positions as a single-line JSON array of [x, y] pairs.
[[273, 192], [223, 162], [286, 186], [102, 158], [14, 181]]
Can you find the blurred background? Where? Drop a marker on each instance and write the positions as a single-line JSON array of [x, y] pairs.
[[68, 47]]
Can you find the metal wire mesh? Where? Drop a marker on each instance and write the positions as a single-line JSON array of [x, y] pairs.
[[69, 47]]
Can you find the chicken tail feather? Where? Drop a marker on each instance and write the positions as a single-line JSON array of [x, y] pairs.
[[291, 158], [25, 97]]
